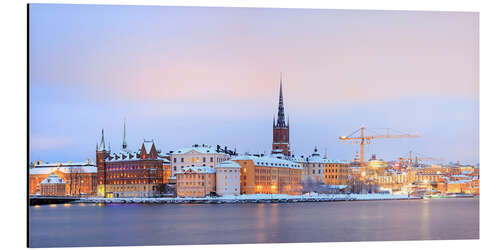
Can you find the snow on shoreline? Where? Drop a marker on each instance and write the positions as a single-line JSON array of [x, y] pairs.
[[254, 198]]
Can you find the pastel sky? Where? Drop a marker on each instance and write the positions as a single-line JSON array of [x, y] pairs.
[[186, 75]]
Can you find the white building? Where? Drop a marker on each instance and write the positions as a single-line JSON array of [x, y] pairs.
[[196, 156], [227, 178], [314, 166]]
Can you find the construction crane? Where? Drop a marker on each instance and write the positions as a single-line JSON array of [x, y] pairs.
[[418, 157], [366, 139]]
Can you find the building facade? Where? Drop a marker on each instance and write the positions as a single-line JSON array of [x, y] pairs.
[[53, 186], [323, 170], [195, 181], [80, 178], [228, 178], [269, 175], [130, 174], [196, 156]]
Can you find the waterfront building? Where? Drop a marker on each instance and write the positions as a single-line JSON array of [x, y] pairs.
[[167, 169], [313, 165], [269, 175], [323, 170], [80, 177], [336, 172], [375, 167], [281, 130], [196, 156], [228, 178], [53, 186], [195, 181], [127, 173]]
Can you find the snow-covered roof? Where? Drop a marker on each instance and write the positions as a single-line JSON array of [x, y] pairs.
[[460, 176], [316, 159], [48, 170], [267, 161], [459, 182], [48, 165], [123, 157], [200, 149], [200, 169], [53, 179], [228, 164]]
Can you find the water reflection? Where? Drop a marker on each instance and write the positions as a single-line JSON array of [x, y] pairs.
[[143, 224]]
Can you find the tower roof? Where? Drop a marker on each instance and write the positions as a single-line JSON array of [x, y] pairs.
[[102, 145], [124, 145], [281, 108]]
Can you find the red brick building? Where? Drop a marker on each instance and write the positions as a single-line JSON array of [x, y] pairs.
[[281, 129], [130, 174]]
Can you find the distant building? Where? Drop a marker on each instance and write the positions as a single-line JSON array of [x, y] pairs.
[[195, 181], [269, 175], [80, 177], [228, 178], [281, 130], [196, 156], [130, 174], [53, 186], [324, 170]]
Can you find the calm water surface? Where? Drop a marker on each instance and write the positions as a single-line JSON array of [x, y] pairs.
[[166, 224]]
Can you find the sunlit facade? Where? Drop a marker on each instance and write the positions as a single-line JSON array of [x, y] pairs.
[[127, 173], [269, 175], [80, 178], [195, 181]]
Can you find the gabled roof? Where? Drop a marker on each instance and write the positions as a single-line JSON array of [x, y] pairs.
[[148, 145], [53, 179]]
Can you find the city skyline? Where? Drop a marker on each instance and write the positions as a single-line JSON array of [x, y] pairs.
[[203, 79]]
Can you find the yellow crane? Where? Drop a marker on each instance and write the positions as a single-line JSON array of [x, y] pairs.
[[363, 139]]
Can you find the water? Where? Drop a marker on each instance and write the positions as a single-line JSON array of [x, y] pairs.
[[168, 224]]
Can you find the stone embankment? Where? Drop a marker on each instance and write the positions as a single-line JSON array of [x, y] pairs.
[[259, 198]]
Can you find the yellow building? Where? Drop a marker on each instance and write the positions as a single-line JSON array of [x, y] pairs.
[[195, 181], [336, 172], [268, 175]]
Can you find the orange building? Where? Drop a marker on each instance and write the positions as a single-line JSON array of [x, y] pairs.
[[268, 175], [80, 177], [336, 172], [195, 181]]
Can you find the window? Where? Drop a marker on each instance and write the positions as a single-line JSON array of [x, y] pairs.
[[211, 159], [175, 159], [204, 160], [182, 159]]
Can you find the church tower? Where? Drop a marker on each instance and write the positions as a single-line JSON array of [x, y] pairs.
[[281, 132], [101, 153]]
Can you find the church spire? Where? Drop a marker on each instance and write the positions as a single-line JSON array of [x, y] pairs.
[[124, 145], [102, 146], [281, 109]]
